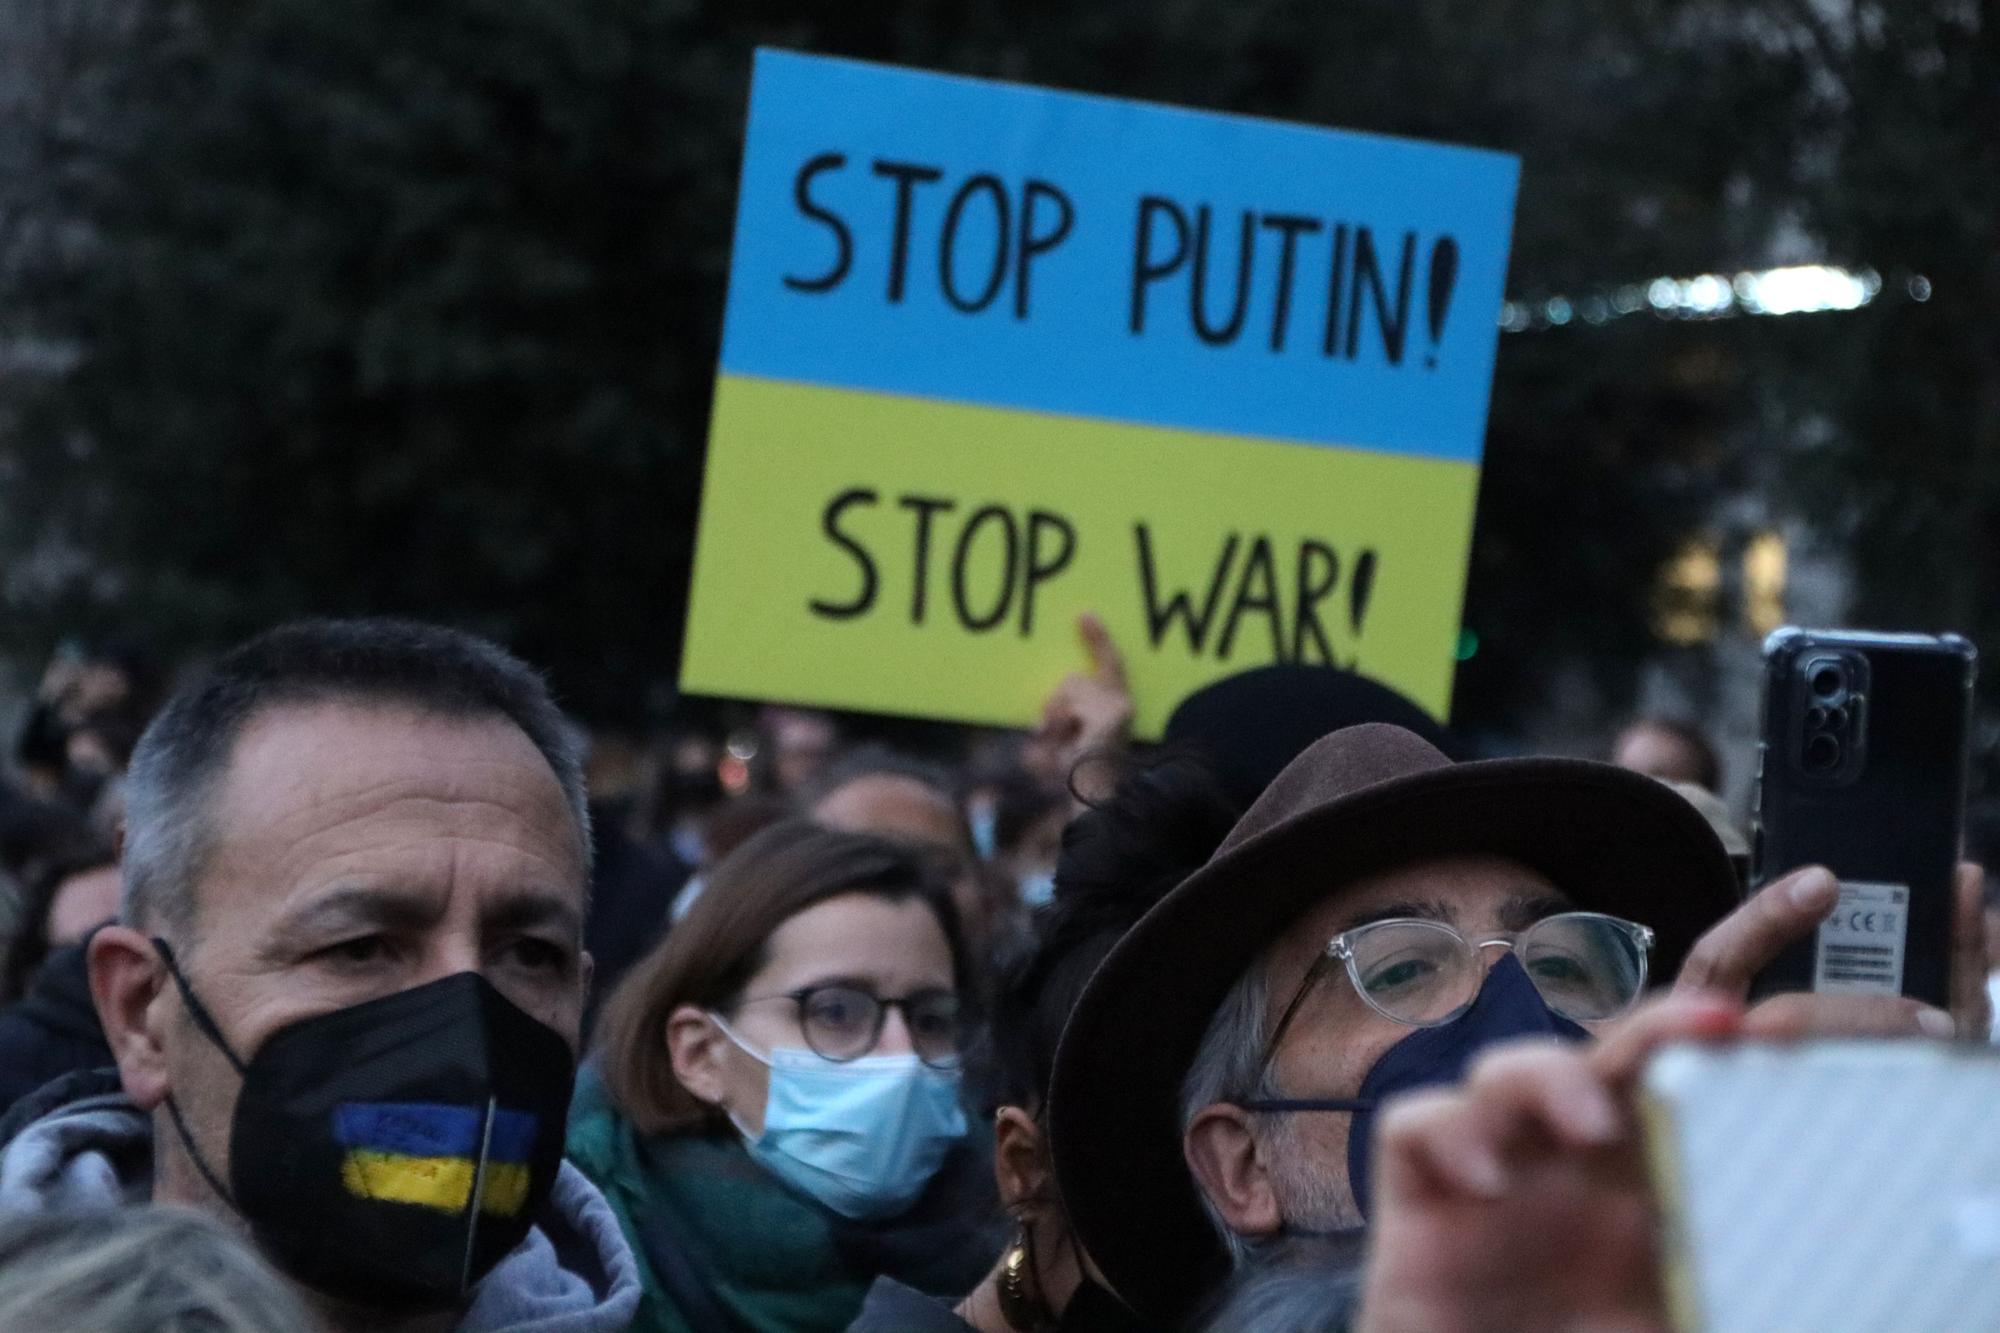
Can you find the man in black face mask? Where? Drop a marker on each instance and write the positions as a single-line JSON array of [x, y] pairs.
[[345, 988], [1378, 919]]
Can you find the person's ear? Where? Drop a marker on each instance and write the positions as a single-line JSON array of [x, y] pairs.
[[1020, 1162], [128, 984], [1222, 1152], [696, 1047]]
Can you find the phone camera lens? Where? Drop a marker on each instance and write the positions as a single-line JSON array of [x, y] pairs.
[[1815, 719], [1822, 752], [1829, 681]]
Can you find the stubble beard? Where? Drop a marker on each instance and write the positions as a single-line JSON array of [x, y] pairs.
[[1313, 1193]]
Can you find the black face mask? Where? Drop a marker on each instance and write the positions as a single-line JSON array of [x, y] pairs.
[[391, 1153]]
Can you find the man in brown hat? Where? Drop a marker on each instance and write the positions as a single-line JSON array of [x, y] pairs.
[[1377, 919]]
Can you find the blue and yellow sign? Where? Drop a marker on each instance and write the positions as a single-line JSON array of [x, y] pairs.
[[995, 356]]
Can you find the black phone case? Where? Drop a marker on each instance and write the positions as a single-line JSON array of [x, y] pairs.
[[1899, 819]]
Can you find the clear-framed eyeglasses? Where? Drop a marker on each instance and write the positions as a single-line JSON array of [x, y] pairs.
[[1588, 967]]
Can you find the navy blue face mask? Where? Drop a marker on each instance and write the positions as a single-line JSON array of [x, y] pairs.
[[1508, 1005]]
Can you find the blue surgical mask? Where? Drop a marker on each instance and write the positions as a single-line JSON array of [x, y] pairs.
[[1038, 887], [863, 1137], [984, 818], [1508, 1006]]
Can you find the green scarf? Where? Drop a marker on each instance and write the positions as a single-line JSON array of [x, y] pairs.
[[770, 1260]]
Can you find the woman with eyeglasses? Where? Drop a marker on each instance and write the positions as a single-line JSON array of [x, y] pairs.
[[773, 1107]]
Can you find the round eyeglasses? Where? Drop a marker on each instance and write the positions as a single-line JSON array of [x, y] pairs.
[[843, 1022], [1587, 966]]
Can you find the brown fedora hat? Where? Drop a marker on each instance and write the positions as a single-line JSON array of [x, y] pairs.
[[1361, 800]]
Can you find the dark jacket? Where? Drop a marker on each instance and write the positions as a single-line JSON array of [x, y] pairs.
[[52, 1031], [631, 888]]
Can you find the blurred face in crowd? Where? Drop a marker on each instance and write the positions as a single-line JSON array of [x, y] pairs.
[[1039, 848], [905, 810], [893, 806], [82, 902], [1658, 753], [356, 851], [1268, 1172], [801, 743], [856, 941]]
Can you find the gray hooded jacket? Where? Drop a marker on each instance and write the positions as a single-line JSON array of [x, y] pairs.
[[573, 1274]]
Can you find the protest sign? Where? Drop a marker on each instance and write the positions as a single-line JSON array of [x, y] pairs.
[[995, 356]]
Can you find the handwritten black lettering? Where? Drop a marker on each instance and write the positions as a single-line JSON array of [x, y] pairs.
[[1180, 606], [830, 525], [1198, 288], [1257, 567], [1034, 242], [1334, 286], [961, 562], [843, 239], [1312, 590], [954, 214], [1392, 323], [1145, 269], [1042, 564], [1289, 227], [907, 175], [923, 506]]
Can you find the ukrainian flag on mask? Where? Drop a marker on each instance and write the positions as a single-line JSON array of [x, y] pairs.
[[428, 1154]]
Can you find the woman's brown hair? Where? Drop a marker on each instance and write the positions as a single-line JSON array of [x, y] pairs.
[[713, 951]]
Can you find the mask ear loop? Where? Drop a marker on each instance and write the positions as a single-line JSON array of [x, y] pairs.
[[736, 1040], [205, 1022], [196, 1009], [722, 1025]]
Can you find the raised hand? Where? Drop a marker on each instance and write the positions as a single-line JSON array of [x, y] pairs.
[[1086, 721]]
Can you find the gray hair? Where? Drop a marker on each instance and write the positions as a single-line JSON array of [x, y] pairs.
[[138, 1270], [180, 760], [1227, 1067], [1305, 1285]]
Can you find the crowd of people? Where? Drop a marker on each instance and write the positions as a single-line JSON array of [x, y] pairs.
[[349, 984]]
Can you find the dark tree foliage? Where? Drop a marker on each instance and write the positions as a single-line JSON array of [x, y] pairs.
[[386, 307], [414, 307], [1908, 173]]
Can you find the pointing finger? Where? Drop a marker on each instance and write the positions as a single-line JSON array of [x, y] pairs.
[[1105, 661]]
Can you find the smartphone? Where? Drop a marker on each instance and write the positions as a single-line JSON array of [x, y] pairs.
[[1827, 1186], [1861, 769]]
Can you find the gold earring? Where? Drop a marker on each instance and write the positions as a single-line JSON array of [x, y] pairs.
[[1021, 1302]]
